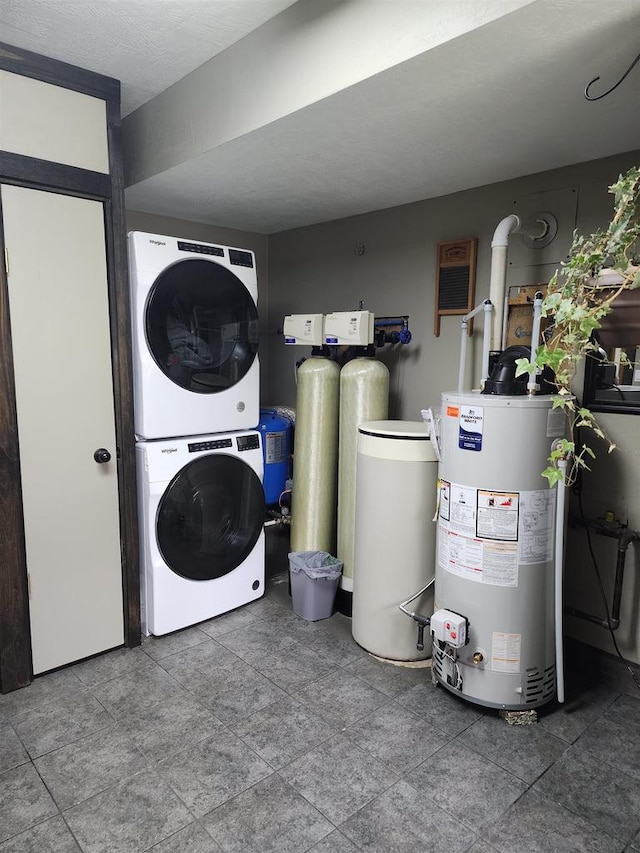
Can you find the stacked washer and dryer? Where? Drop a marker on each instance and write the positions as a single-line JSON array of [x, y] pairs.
[[198, 453]]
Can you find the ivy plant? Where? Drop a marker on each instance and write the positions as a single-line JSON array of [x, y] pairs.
[[576, 304]]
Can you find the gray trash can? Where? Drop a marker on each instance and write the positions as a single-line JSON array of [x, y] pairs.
[[314, 582]]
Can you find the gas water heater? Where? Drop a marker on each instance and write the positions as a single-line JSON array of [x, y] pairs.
[[493, 629]]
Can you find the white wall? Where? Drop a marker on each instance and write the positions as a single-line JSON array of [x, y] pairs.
[[315, 269]]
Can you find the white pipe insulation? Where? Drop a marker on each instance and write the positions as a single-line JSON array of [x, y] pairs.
[[463, 355], [532, 384], [486, 342], [559, 571], [463, 341], [498, 281]]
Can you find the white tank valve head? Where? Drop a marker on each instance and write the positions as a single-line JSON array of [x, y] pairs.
[[304, 330], [349, 328]]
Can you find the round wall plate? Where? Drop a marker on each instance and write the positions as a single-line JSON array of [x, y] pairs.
[[548, 232]]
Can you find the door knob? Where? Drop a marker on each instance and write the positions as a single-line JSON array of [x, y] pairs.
[[102, 455]]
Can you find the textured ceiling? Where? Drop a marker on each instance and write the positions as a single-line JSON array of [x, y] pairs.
[[147, 44], [501, 101]]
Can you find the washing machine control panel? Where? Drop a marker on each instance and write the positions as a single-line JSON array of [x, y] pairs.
[[216, 444], [200, 248], [248, 442]]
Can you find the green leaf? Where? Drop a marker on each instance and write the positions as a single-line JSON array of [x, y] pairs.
[[588, 325], [523, 365], [553, 475], [552, 358]]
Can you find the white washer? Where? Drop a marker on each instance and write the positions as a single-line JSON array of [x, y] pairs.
[[195, 337], [201, 515]]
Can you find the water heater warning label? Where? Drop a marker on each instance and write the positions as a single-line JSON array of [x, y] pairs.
[[478, 534], [505, 652], [479, 560], [462, 509], [470, 427], [537, 526], [498, 515]]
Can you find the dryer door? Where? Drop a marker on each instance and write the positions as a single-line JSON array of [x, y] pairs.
[[210, 517], [201, 325]]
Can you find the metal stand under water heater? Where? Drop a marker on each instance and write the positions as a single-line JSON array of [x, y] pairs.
[[496, 629]]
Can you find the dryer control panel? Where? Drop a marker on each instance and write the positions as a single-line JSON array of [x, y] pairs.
[[248, 442], [200, 248], [216, 444], [240, 258]]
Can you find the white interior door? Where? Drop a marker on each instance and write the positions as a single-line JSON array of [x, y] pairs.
[[64, 394]]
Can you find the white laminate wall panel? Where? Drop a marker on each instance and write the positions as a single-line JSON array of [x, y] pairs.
[[52, 123]]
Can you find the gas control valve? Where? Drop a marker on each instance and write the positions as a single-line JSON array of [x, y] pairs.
[[450, 628]]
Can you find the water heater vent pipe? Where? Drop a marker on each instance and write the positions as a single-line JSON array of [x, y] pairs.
[[498, 280]]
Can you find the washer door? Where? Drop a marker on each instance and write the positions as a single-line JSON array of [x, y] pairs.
[[210, 517], [201, 325]]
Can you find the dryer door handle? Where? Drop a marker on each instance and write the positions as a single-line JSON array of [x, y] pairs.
[[102, 455]]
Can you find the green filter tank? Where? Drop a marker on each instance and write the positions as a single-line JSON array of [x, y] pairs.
[[364, 396], [315, 458]]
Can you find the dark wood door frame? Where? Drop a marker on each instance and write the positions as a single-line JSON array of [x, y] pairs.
[[15, 643]]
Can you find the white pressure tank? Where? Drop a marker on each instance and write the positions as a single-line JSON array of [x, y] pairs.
[[394, 542], [494, 622]]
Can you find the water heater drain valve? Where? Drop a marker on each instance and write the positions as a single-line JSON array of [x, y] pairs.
[[449, 627]]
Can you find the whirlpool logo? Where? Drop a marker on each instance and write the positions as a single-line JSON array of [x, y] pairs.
[[169, 450], [157, 242]]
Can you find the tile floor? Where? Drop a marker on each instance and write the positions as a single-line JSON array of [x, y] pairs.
[[257, 731]]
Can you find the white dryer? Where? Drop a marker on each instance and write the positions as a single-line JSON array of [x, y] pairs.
[[201, 516], [195, 337]]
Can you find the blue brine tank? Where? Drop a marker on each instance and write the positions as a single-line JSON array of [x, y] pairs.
[[276, 449]]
